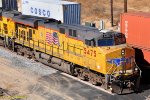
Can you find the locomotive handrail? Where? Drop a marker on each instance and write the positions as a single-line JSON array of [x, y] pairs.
[[110, 67], [138, 67]]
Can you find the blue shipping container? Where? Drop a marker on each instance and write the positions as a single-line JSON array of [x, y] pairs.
[[9, 4], [72, 14]]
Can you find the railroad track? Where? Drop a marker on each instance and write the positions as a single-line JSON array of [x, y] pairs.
[[89, 84], [4, 94]]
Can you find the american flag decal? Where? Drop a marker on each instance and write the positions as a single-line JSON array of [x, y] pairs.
[[52, 38]]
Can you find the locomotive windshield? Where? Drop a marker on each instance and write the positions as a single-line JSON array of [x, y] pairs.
[[119, 38], [111, 39]]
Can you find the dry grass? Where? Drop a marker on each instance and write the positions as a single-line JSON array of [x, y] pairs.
[[97, 9]]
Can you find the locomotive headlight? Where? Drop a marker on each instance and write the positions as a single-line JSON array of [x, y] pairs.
[[136, 69], [123, 52]]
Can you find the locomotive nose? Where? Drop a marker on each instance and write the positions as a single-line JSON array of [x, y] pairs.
[[123, 70], [125, 58]]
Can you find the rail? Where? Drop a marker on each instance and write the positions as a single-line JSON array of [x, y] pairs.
[[4, 94]]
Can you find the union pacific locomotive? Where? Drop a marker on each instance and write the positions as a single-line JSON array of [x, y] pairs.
[[101, 58]]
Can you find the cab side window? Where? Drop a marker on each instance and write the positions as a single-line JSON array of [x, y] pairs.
[[90, 42], [0, 28], [30, 34], [72, 33], [5, 28], [24, 35], [21, 35], [17, 33], [62, 30]]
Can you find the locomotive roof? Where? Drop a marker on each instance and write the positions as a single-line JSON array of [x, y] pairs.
[[27, 20], [32, 21], [79, 27], [91, 36], [10, 14]]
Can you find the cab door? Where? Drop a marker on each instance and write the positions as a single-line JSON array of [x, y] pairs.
[[22, 34], [30, 33]]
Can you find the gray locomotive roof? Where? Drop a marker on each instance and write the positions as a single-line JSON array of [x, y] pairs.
[[52, 25], [17, 17], [10, 14], [91, 36], [79, 27], [32, 20], [27, 20]]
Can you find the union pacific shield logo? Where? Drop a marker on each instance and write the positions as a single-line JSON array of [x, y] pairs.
[[118, 61]]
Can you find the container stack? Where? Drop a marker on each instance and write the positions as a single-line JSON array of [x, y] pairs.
[[136, 27], [64, 11], [9, 4]]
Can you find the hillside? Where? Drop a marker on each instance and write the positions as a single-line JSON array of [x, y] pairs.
[[94, 10]]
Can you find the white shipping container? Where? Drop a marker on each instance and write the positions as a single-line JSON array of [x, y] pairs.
[[19, 4], [0, 3], [66, 12]]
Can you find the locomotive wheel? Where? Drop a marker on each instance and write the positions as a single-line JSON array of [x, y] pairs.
[[4, 42], [26, 55], [81, 76], [19, 52], [136, 87], [93, 81], [33, 57], [117, 87]]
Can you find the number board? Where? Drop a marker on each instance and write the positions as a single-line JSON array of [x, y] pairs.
[[90, 52]]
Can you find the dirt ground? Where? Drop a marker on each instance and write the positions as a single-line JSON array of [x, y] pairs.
[[17, 80]]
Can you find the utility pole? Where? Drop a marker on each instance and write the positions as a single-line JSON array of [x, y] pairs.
[[112, 15], [125, 6]]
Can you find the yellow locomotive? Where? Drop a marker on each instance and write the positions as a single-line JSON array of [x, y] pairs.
[[101, 58]]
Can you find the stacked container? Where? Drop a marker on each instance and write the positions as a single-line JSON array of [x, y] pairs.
[[9, 4], [66, 12], [136, 27]]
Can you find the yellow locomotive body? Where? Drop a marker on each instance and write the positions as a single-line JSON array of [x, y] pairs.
[[87, 52]]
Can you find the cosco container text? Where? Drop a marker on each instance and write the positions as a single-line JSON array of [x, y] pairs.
[[40, 12]]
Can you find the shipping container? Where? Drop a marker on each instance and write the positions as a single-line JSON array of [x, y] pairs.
[[45, 1], [66, 12], [0, 3], [9, 4], [136, 27], [19, 4]]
